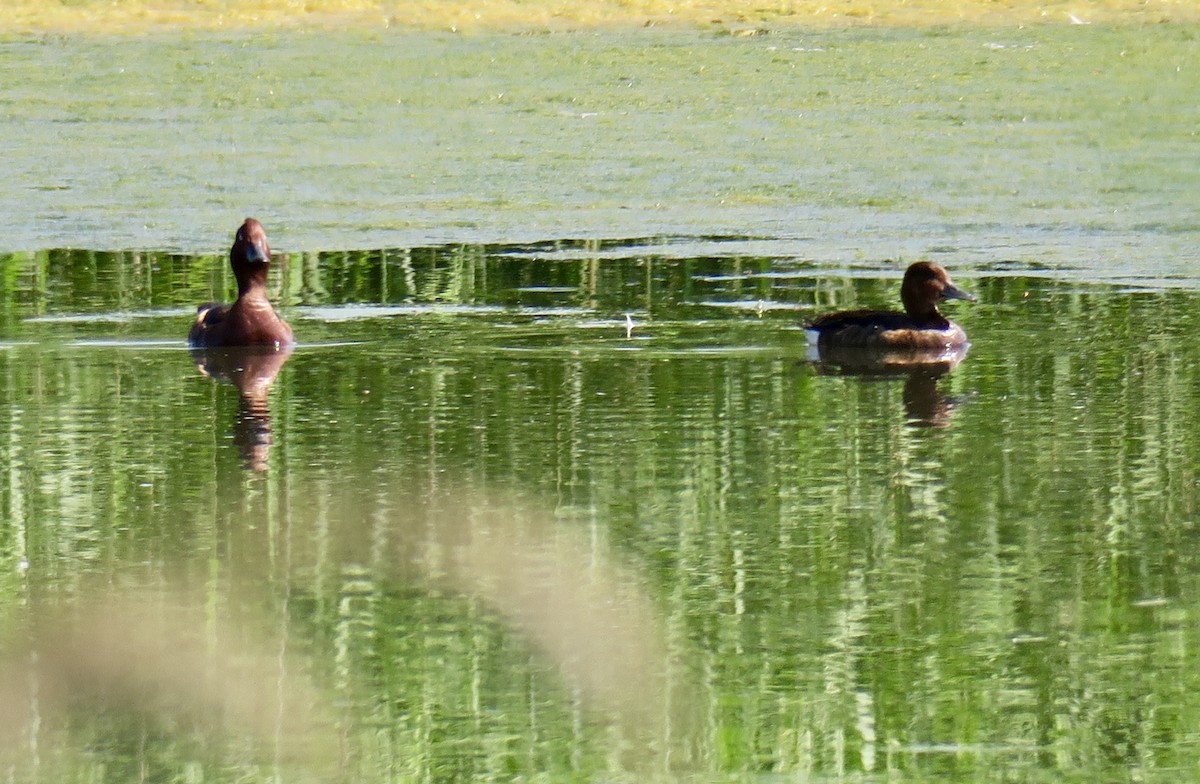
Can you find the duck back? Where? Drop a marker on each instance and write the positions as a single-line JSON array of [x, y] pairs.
[[884, 329]]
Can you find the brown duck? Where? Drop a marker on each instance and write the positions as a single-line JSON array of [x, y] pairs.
[[250, 320], [921, 327]]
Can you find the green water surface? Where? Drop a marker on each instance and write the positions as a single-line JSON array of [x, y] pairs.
[[550, 489], [1064, 145]]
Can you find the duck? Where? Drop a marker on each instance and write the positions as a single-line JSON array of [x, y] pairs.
[[920, 328], [250, 320]]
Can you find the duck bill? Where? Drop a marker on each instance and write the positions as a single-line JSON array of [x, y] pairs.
[[954, 292], [257, 252]]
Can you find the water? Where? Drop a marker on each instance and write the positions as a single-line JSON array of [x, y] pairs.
[[1061, 146], [550, 489]]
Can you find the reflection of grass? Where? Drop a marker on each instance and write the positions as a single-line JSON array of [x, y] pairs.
[[138, 15]]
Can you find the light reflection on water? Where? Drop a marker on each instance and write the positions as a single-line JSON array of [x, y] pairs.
[[493, 538]]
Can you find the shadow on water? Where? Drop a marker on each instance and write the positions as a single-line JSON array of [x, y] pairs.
[[925, 403], [251, 371]]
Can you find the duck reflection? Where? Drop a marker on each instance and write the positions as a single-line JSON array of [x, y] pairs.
[[924, 402], [252, 369]]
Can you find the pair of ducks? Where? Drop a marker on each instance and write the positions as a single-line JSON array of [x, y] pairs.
[[251, 321]]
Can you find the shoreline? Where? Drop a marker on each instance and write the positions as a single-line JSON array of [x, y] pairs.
[[132, 17]]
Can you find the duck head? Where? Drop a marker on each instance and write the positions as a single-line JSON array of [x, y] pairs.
[[926, 284], [250, 256]]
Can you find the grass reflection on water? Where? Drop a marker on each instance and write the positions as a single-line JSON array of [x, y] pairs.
[[492, 543]]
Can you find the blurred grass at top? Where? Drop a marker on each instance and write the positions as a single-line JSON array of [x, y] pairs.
[[135, 16]]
